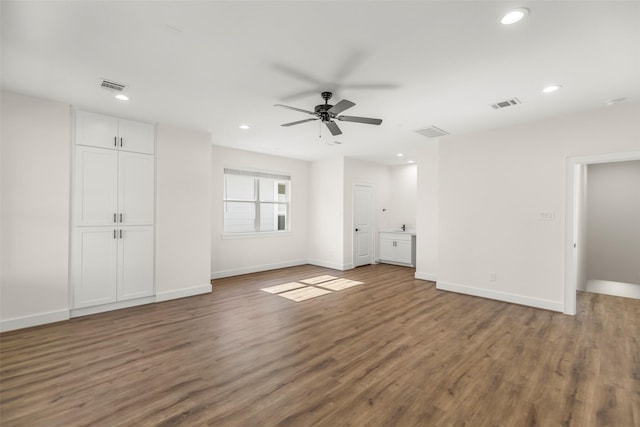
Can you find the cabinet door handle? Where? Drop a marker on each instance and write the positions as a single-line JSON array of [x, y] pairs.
[[120, 217], [121, 233], [115, 141], [114, 233], [114, 217], [120, 141]]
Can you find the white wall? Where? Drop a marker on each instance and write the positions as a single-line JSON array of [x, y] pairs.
[[34, 286], [613, 249], [326, 213], [494, 184], [183, 223], [232, 255], [403, 188], [361, 172], [427, 213]]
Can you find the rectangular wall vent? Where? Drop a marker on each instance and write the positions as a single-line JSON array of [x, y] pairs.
[[108, 84], [432, 132], [504, 104]]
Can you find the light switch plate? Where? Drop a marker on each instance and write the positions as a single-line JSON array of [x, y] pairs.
[[545, 216]]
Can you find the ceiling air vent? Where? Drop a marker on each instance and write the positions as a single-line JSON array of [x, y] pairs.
[[504, 104], [432, 132], [113, 86]]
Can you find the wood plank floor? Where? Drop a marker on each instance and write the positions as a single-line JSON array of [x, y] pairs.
[[392, 352]]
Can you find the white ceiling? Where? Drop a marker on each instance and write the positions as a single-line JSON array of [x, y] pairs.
[[213, 65]]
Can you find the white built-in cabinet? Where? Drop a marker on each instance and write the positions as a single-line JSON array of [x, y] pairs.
[[97, 130], [397, 248], [113, 210]]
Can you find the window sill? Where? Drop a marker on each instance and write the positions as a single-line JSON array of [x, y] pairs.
[[231, 236]]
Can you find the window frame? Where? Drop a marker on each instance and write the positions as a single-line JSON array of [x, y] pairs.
[[258, 203]]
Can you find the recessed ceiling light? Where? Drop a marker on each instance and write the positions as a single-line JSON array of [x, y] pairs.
[[399, 154], [551, 88], [410, 161], [514, 16], [245, 127], [122, 97]]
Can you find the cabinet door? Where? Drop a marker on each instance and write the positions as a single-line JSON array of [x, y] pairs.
[[94, 268], [96, 186], [136, 188], [403, 251], [387, 250], [136, 136], [96, 130], [135, 260]]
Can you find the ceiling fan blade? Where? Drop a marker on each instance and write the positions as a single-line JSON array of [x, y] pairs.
[[333, 128], [295, 109], [298, 95], [369, 86], [340, 107], [295, 73], [299, 121], [366, 120]]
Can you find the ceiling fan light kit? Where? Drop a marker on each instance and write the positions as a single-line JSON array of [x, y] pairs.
[[328, 113]]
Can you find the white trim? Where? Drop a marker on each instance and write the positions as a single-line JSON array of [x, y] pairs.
[[85, 311], [256, 234], [34, 320], [619, 289], [570, 267], [426, 276], [255, 269], [331, 265], [501, 296], [183, 293]]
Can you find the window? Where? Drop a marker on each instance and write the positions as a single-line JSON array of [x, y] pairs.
[[255, 202]]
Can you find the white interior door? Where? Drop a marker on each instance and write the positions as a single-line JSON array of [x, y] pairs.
[[363, 227]]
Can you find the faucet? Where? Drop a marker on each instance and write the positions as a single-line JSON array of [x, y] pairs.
[[404, 227]]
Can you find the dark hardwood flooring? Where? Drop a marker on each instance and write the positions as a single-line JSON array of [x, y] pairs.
[[392, 352]]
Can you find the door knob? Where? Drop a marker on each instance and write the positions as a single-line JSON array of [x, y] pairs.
[[357, 229]]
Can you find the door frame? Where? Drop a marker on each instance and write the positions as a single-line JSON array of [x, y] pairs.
[[372, 244], [570, 218]]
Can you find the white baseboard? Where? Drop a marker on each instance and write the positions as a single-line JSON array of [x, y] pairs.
[[86, 311], [501, 296], [34, 320], [331, 265], [183, 293], [255, 269], [425, 276], [618, 289]]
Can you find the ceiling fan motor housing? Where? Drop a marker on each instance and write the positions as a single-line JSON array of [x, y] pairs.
[[322, 111]]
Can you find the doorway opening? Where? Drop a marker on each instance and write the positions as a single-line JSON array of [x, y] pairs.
[[575, 211]]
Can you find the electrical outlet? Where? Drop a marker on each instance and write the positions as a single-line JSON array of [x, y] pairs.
[[492, 277]]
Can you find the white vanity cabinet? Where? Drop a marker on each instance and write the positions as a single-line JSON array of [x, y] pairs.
[[112, 256], [397, 248]]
